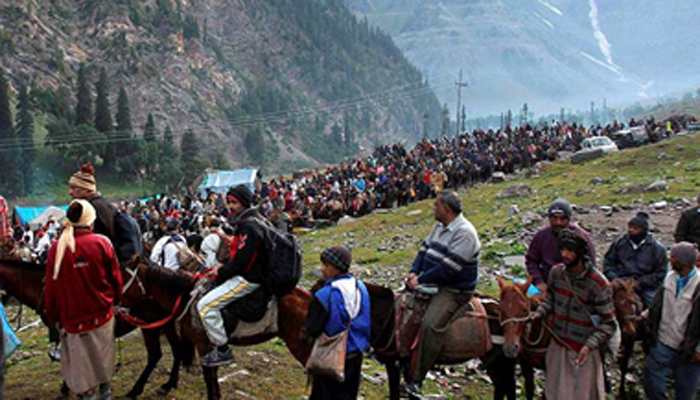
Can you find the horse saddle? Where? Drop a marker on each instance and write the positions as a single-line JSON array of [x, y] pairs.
[[254, 314], [466, 336]]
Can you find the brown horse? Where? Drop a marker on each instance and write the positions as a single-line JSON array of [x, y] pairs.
[[522, 340], [166, 287], [24, 281], [500, 369], [628, 310]]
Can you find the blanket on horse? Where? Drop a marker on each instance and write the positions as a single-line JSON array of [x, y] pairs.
[[468, 334]]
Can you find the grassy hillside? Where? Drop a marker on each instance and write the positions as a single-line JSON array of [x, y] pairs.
[[383, 247]]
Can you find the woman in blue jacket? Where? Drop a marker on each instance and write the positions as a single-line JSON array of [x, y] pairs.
[[340, 303]]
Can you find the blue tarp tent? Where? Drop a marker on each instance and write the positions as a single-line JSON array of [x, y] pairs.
[[29, 214], [221, 181]]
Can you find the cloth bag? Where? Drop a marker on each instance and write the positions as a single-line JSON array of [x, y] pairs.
[[10, 342], [328, 356]]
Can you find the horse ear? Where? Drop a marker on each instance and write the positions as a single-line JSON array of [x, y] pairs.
[[631, 284], [615, 284], [501, 283]]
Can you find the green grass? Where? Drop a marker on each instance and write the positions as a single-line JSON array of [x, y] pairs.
[[273, 372]]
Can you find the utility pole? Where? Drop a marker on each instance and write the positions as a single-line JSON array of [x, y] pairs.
[[459, 85]]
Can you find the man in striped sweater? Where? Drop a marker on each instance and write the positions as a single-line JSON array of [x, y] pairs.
[[579, 301], [449, 261]]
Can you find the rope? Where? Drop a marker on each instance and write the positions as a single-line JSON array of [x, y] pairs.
[[149, 325]]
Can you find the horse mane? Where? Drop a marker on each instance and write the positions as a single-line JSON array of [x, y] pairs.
[[172, 282], [379, 292], [23, 265]]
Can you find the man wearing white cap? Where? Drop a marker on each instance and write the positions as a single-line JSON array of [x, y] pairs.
[[83, 282]]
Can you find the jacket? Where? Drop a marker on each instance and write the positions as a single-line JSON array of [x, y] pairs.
[[335, 305], [692, 331], [89, 284], [248, 258], [543, 252], [106, 212], [646, 263], [688, 228], [449, 256]]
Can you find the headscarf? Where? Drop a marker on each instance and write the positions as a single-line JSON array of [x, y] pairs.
[[67, 239]]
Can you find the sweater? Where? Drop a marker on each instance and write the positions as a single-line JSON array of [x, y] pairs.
[[449, 256], [543, 252], [572, 299]]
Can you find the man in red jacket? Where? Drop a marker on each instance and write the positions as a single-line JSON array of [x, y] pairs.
[[83, 282]]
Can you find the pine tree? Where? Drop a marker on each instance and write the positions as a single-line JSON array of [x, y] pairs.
[[255, 144], [103, 119], [189, 157], [83, 108], [25, 134], [170, 166], [445, 129], [123, 116], [149, 131], [11, 182]]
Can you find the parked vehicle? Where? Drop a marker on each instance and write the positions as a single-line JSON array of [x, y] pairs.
[[632, 137], [594, 147]]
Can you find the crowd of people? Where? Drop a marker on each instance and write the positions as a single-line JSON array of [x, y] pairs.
[[561, 261], [391, 176]]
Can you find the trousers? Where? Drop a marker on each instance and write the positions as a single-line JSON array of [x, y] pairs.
[[209, 307], [663, 361], [439, 314]]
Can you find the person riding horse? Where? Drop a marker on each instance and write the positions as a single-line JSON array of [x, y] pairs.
[[638, 255], [125, 236], [447, 259], [239, 277]]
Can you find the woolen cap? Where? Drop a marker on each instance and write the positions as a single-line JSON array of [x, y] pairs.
[[641, 220], [242, 194], [337, 256], [560, 206]]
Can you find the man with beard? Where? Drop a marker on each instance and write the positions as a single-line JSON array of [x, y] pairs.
[[638, 255], [579, 301], [448, 260], [674, 329], [578, 294], [239, 277], [543, 252]]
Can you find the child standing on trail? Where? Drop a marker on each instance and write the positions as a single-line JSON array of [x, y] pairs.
[[341, 303]]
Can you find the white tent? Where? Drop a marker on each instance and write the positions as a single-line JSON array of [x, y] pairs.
[[221, 181], [51, 212]]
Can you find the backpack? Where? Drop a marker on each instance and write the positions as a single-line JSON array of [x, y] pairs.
[[282, 272], [127, 237], [188, 260]]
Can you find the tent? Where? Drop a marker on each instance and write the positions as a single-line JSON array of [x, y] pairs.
[[51, 213], [27, 215], [220, 181]]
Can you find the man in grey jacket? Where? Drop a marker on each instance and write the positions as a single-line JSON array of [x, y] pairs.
[[638, 255]]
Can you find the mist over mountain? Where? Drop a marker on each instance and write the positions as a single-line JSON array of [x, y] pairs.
[[549, 53]]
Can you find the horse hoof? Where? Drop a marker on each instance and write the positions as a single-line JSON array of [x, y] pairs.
[[165, 389]]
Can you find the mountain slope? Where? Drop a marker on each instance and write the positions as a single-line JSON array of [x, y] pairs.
[[550, 53], [228, 67]]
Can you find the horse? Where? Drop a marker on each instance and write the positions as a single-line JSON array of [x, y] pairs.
[[384, 345], [628, 310], [171, 290], [515, 311], [24, 281]]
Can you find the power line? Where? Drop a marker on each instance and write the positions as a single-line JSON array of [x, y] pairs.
[[13, 145]]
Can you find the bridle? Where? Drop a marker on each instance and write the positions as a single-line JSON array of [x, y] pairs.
[[525, 318], [134, 277]]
